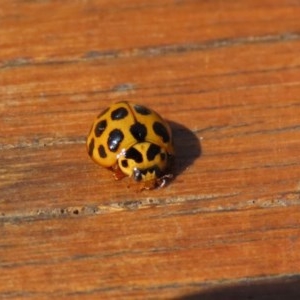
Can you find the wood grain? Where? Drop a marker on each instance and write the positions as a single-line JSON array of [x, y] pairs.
[[226, 76]]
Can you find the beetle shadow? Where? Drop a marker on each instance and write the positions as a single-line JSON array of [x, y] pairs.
[[187, 147], [265, 289]]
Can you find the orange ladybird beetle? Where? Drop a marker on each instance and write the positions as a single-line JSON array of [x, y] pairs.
[[132, 140]]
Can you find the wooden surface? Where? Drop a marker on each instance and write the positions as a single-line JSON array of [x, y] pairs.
[[226, 74]]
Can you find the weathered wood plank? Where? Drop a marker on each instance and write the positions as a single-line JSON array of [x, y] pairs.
[[226, 76]]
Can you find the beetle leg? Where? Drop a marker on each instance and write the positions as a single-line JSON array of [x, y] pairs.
[[117, 173]]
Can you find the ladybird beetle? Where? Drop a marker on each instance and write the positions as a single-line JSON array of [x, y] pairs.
[[132, 140]]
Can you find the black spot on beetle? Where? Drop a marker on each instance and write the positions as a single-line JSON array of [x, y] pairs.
[[100, 127], [152, 151], [154, 169], [134, 154], [124, 163], [115, 137], [139, 131], [162, 131], [91, 146], [119, 113], [142, 110], [102, 152]]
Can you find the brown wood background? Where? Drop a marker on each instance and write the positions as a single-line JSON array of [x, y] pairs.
[[226, 74]]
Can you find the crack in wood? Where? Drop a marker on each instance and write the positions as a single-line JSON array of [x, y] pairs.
[[79, 211], [44, 142], [159, 50]]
